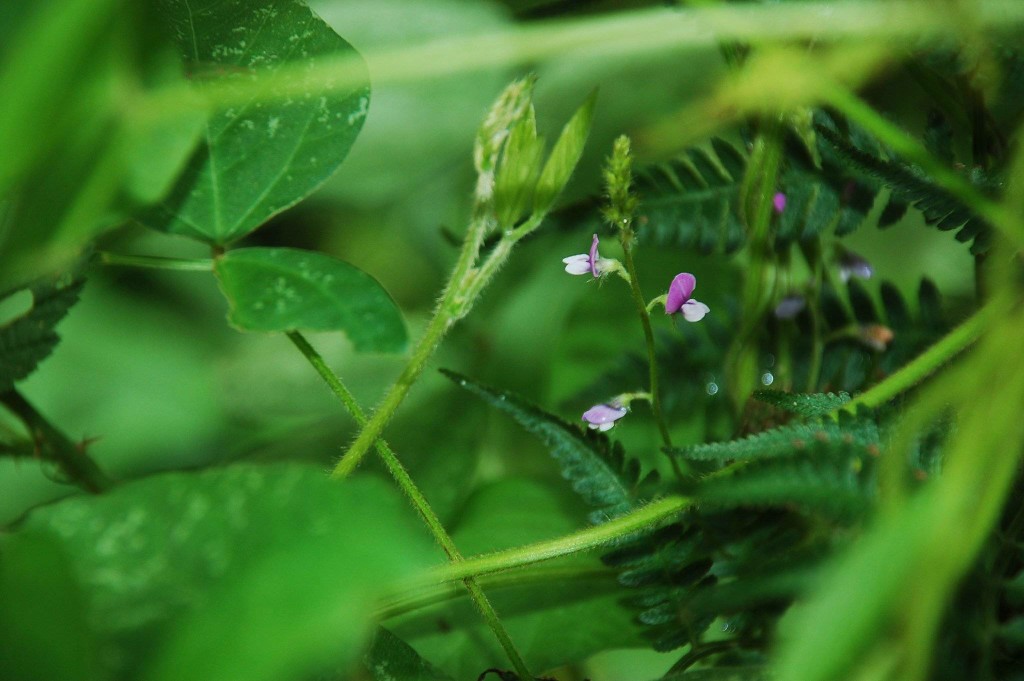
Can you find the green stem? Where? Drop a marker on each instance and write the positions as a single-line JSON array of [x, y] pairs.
[[577, 542], [929, 361], [156, 262], [455, 303], [54, 445], [759, 283], [996, 214], [652, 358], [419, 502], [417, 596]]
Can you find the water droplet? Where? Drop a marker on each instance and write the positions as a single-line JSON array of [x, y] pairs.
[[767, 378], [711, 388]]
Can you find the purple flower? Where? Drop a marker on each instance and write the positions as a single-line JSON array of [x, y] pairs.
[[853, 265], [603, 416], [584, 262], [790, 306], [779, 202], [678, 298]]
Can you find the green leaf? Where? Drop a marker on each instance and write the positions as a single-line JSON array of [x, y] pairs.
[[286, 289], [517, 174], [692, 201], [564, 157], [390, 659], [44, 631], [824, 436], [186, 557], [909, 184], [598, 470], [30, 338], [264, 155], [803, 404], [810, 483]]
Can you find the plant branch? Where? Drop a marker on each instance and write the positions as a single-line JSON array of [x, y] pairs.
[[53, 445], [419, 502]]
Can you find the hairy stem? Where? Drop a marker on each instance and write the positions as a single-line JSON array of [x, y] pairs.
[[419, 502], [53, 445], [578, 542], [652, 358], [455, 303]]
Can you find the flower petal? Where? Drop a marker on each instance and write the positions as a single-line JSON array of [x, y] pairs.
[[779, 202], [603, 414], [694, 310], [577, 264], [790, 306], [679, 291], [594, 257]]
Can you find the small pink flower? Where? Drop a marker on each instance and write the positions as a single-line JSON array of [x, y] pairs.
[[585, 262], [779, 202], [678, 298], [603, 416]]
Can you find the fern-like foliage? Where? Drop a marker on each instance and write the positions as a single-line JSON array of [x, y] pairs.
[[693, 200], [808, 405], [597, 468], [30, 338], [820, 438], [910, 185]]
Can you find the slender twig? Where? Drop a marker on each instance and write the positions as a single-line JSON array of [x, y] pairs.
[[419, 502], [652, 357], [156, 262], [55, 446]]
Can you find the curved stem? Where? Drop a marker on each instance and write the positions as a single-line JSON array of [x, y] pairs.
[[577, 542], [419, 502], [408, 599], [927, 362]]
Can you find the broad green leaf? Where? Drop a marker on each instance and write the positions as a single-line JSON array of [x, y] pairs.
[[264, 155], [564, 157], [187, 557], [30, 338], [564, 619], [390, 659], [598, 470], [44, 631], [285, 289]]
